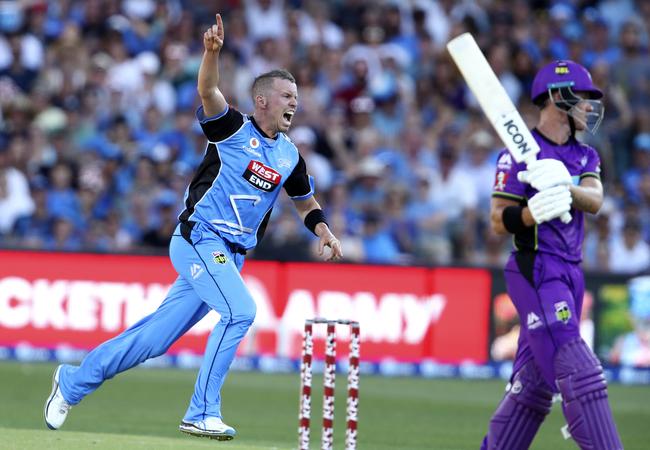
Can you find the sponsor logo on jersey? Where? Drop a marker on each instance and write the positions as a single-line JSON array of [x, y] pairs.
[[516, 387], [219, 257], [533, 321], [562, 312], [583, 161], [505, 162], [283, 162], [251, 151], [254, 142], [500, 180], [196, 270], [261, 176]]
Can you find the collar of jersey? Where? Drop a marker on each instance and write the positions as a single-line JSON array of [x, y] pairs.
[[257, 127], [554, 144]]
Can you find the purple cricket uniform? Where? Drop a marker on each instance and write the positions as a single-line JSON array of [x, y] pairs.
[[543, 276], [546, 285]]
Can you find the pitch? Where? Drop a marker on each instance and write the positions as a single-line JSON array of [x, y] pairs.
[[141, 409]]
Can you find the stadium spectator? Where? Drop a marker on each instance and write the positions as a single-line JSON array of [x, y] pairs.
[[15, 198], [641, 157], [379, 245], [629, 253], [598, 240], [305, 140], [116, 79], [432, 243]]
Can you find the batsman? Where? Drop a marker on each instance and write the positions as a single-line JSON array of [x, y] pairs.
[[543, 274]]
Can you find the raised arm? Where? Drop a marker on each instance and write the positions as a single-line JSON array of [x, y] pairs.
[[208, 81]]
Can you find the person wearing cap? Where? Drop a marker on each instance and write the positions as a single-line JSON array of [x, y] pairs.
[[543, 275], [248, 161]]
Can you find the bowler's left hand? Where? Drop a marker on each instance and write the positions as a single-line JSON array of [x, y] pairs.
[[327, 239]]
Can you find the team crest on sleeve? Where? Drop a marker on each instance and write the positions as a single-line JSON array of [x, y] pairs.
[[261, 176], [562, 312], [219, 257], [500, 180]]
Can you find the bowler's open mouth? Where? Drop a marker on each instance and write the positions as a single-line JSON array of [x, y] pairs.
[[288, 116]]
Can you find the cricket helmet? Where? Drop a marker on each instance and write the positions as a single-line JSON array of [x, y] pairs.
[[563, 73], [569, 78]]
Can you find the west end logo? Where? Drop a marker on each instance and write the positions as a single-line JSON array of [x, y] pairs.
[[262, 177]]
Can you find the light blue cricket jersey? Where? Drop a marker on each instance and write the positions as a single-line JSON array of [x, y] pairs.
[[237, 183]]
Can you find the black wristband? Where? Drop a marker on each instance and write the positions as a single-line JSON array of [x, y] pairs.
[[313, 218], [512, 220]]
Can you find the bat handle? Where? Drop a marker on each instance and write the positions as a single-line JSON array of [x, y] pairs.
[[566, 217]]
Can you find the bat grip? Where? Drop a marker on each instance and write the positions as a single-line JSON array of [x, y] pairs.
[[566, 217]]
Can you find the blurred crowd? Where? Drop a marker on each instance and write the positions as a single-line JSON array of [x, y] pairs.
[[98, 137]]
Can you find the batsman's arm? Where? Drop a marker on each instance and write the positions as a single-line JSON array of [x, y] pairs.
[[496, 214], [208, 79], [588, 195]]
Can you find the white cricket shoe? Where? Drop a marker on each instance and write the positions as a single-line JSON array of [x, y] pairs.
[[211, 427], [56, 408]]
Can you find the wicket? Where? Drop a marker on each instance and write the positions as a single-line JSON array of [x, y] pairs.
[[329, 376]]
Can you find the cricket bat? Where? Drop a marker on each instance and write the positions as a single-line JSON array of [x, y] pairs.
[[494, 101]]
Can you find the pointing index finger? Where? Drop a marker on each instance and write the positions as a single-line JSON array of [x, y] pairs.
[[220, 31]]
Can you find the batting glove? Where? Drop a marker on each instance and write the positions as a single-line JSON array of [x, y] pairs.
[[550, 204], [545, 173]]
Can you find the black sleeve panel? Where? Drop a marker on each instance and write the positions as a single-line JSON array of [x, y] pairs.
[[223, 125], [298, 183]]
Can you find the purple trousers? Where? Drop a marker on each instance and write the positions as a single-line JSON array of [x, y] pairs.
[[547, 292], [552, 357]]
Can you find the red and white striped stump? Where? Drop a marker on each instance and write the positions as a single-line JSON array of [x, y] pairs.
[[329, 382]]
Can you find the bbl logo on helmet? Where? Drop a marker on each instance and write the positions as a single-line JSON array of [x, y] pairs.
[[219, 257], [562, 70], [562, 312]]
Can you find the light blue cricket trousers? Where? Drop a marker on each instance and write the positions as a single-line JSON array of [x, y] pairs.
[[208, 279]]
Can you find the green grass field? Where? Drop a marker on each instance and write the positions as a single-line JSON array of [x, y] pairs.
[[141, 409]]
